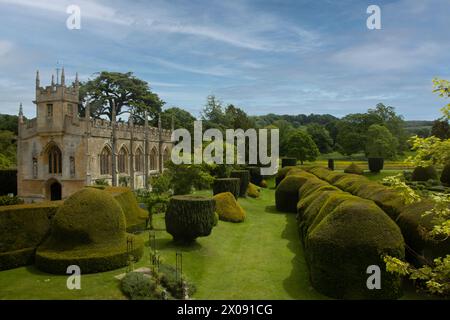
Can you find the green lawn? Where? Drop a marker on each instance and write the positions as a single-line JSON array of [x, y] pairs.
[[260, 258]]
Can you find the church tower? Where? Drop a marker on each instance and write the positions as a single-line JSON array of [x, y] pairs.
[[55, 102]]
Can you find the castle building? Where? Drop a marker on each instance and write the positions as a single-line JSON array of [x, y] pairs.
[[59, 152]]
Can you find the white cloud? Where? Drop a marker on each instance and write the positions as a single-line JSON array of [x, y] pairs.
[[5, 48], [382, 56], [89, 9]]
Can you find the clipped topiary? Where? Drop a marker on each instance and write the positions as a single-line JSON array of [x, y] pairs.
[[134, 215], [255, 175], [263, 184], [22, 228], [312, 185], [312, 209], [244, 176], [228, 208], [227, 185], [189, 217], [281, 174], [288, 162], [345, 243], [286, 194], [445, 175], [349, 181], [375, 164], [88, 230], [354, 168], [415, 226], [253, 191], [424, 174]]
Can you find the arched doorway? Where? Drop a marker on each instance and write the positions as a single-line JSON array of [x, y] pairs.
[[55, 191]]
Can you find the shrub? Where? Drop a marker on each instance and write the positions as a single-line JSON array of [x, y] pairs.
[[288, 162], [263, 184], [184, 177], [137, 286], [375, 164], [189, 217], [445, 176], [228, 208], [169, 279], [286, 194], [255, 175], [354, 168], [88, 230], [253, 190], [160, 183], [415, 226], [424, 174], [101, 182], [353, 236], [227, 185], [8, 201], [134, 215], [244, 176], [9, 182], [22, 228]]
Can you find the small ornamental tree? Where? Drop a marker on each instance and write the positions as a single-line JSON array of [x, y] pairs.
[[184, 177], [380, 143], [301, 146]]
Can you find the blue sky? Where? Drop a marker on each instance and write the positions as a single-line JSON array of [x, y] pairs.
[[279, 56]]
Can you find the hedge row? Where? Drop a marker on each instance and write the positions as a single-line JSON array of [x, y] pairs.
[[88, 228], [342, 235], [22, 228], [89, 259], [410, 218]]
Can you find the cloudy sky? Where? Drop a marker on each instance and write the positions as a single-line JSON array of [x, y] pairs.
[[279, 56]]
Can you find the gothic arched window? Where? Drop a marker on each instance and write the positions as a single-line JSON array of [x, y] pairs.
[[54, 160], [122, 160], [166, 156], [35, 167], [138, 160], [105, 161], [153, 159]]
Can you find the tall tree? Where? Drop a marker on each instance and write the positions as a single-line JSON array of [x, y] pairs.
[[380, 143], [352, 131], [122, 90], [441, 129], [213, 114], [321, 137], [236, 118], [302, 147], [285, 129], [392, 121]]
